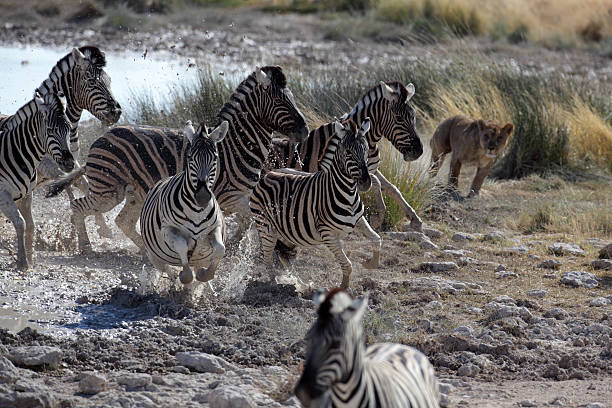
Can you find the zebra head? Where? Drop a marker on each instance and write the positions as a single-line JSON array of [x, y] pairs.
[[276, 105], [398, 120], [202, 159], [54, 137], [333, 343], [353, 152], [93, 85]]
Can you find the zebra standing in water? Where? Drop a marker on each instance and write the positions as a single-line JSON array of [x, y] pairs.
[[181, 222], [127, 161], [39, 127], [305, 209], [393, 117], [340, 372]]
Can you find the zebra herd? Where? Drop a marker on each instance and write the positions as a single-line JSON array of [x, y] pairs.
[[182, 183]]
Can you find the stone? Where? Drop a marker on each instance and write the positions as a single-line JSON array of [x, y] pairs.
[[559, 401], [36, 356], [180, 369], [135, 380], [606, 252], [537, 293], [427, 244], [457, 253], [434, 305], [506, 275], [203, 362], [230, 397], [515, 250], [406, 236], [550, 264], [436, 267], [463, 236], [465, 330], [561, 248], [468, 370], [579, 278], [92, 383], [595, 405], [527, 403], [501, 268], [599, 301], [466, 260], [494, 236], [557, 313], [8, 372], [433, 233], [604, 264], [445, 388], [505, 299]]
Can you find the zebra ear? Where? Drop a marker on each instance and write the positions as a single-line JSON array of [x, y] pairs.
[[356, 309], [63, 100], [189, 131], [389, 93], [262, 78], [411, 90], [339, 129], [40, 102], [365, 126], [79, 57], [319, 296], [219, 133]]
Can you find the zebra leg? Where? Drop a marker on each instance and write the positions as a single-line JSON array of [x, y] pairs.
[[363, 227], [377, 218], [268, 242], [91, 205], [415, 222], [215, 240], [177, 242], [128, 217], [10, 210], [334, 244], [25, 208]]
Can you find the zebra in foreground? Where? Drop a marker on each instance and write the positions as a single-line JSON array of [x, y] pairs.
[[340, 372], [181, 222], [127, 161], [388, 107], [306, 209], [38, 128]]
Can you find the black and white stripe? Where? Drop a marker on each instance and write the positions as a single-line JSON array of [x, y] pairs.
[[38, 128], [305, 209], [340, 372], [393, 117], [127, 161], [181, 221]]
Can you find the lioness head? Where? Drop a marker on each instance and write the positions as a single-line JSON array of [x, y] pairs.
[[493, 138]]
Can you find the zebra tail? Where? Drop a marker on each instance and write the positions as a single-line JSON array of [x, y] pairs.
[[61, 183]]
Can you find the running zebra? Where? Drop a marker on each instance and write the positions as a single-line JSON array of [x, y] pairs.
[[181, 221], [393, 117], [81, 77], [340, 372], [127, 161], [39, 127], [306, 209]]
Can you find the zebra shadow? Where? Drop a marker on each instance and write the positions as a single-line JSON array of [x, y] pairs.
[[265, 294]]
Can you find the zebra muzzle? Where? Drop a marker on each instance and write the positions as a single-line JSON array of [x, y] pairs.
[[66, 161], [203, 195]]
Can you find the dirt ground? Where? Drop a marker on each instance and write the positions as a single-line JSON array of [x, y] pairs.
[[501, 330]]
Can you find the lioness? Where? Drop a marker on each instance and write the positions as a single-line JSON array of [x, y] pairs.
[[471, 141]]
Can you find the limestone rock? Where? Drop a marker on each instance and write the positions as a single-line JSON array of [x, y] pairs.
[[36, 356], [436, 267], [550, 264], [606, 252], [579, 278], [604, 264], [8, 372], [230, 397], [463, 236], [468, 370], [561, 248], [92, 383], [537, 293], [597, 302], [135, 380], [203, 362]]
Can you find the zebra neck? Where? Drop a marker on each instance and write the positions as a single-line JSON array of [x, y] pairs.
[[25, 132], [354, 389], [340, 177], [369, 106], [246, 129], [62, 78]]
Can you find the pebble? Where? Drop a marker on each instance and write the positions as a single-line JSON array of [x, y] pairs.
[[604, 264], [8, 372], [463, 236], [599, 301], [560, 401], [203, 362], [557, 313], [550, 264], [436, 267], [494, 236], [579, 278], [445, 388], [561, 248], [134, 380], [527, 403], [506, 275], [406, 236], [465, 330], [521, 249], [606, 252], [92, 383], [229, 397], [434, 304], [501, 268], [35, 356], [537, 293], [432, 233], [474, 310], [468, 370], [595, 405], [427, 244]]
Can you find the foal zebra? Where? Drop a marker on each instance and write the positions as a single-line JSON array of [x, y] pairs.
[[181, 222], [393, 117], [305, 209], [39, 127], [127, 161], [340, 372]]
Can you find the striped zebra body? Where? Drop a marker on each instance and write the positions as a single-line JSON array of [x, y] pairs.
[[38, 128], [181, 221], [306, 209], [340, 372], [127, 161], [392, 116]]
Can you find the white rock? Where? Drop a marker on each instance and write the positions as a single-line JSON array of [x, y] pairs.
[[457, 253], [528, 403], [92, 383], [506, 274], [505, 299], [465, 330], [550, 264], [599, 301], [521, 249], [203, 362], [445, 388], [134, 380], [595, 405], [495, 236], [34, 356], [436, 267], [561, 248], [537, 293], [432, 233], [8, 372], [468, 370], [427, 244], [463, 236], [230, 397], [579, 278]]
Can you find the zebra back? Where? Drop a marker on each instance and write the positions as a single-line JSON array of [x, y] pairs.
[[339, 372]]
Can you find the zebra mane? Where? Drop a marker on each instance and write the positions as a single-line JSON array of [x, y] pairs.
[[331, 145], [374, 94], [67, 62], [22, 114]]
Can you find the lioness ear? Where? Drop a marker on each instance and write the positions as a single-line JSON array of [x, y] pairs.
[[508, 129]]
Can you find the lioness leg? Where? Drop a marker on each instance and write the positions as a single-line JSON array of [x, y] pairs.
[[455, 169], [481, 174], [415, 222], [436, 162]]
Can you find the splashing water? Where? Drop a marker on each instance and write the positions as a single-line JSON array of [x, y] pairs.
[[235, 270]]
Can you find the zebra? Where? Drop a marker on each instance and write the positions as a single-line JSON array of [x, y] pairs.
[[81, 77], [39, 127], [128, 160], [340, 371], [181, 221], [393, 117], [305, 209]]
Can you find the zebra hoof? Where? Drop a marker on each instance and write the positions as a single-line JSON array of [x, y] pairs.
[[205, 275], [186, 276]]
